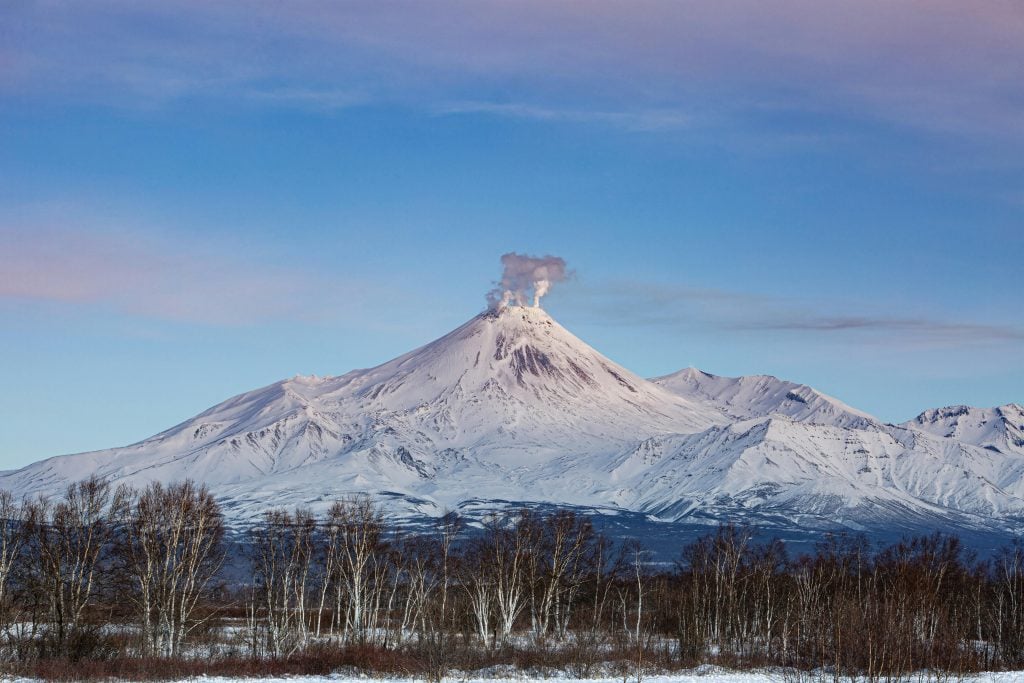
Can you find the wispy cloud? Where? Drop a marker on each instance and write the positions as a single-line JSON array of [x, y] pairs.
[[170, 278], [930, 65], [710, 309], [326, 99], [921, 328], [644, 120]]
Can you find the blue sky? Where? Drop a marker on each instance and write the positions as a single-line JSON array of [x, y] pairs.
[[197, 199]]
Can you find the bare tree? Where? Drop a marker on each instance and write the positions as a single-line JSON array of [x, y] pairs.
[[1009, 602], [69, 540], [13, 518], [328, 571], [359, 528], [448, 528], [510, 540], [172, 549], [281, 555], [476, 577], [558, 558]]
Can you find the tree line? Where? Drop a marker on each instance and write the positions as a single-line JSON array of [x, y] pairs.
[[121, 574]]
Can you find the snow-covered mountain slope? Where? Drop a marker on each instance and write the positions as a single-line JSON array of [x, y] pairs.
[[512, 408], [490, 409], [752, 396], [999, 429], [819, 475]]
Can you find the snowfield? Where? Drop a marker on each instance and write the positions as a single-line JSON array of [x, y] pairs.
[[699, 675]]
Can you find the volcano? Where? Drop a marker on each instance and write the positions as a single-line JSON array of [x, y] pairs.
[[512, 409], [493, 409]]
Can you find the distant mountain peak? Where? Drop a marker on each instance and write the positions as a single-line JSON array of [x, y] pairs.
[[999, 429], [753, 396]]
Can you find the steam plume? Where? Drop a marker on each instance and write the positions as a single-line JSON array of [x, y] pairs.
[[523, 275]]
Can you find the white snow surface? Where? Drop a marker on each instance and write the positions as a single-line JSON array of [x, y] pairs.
[[511, 407], [742, 398], [705, 674], [999, 429], [807, 472]]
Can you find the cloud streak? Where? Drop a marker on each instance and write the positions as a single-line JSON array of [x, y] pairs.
[[710, 309], [640, 121], [183, 280], [933, 65], [312, 98], [922, 328]]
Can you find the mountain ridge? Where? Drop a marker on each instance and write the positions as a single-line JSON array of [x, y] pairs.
[[1000, 428], [760, 395], [510, 406]]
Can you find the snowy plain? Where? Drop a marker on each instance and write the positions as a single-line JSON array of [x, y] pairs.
[[700, 675]]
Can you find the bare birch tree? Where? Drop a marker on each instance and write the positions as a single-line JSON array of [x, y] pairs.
[[13, 519], [70, 539], [281, 555], [560, 548], [172, 549], [359, 528], [511, 539]]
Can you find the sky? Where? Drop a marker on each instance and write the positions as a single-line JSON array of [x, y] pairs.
[[198, 199]]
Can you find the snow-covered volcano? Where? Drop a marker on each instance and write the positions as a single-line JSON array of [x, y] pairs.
[[512, 408], [493, 409]]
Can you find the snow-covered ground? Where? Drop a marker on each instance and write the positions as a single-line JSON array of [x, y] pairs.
[[695, 677], [703, 675]]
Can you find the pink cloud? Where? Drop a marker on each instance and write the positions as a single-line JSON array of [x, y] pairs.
[[941, 65], [160, 277]]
